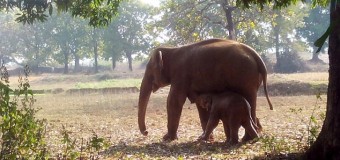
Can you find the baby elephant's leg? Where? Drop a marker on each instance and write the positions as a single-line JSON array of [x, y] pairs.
[[211, 125], [227, 129], [234, 127]]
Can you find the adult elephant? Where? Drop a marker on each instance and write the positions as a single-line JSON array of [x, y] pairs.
[[213, 65]]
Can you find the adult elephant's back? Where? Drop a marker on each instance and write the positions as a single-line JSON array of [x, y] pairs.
[[225, 65]]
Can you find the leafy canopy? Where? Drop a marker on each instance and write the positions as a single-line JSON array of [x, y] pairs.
[[99, 12], [285, 3], [278, 3]]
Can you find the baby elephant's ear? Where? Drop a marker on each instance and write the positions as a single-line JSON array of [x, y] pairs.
[[207, 101]]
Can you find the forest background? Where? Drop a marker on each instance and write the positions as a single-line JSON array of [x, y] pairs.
[[66, 44]]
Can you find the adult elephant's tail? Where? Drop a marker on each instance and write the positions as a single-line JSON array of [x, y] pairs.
[[264, 77], [263, 71]]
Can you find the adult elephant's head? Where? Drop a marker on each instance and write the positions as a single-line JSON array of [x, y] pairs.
[[155, 77]]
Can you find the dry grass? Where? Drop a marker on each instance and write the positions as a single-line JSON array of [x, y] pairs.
[[309, 77], [114, 117]]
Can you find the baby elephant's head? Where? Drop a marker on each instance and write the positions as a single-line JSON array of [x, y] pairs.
[[204, 101]]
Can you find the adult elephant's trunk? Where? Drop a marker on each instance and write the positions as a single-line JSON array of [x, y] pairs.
[[144, 95]]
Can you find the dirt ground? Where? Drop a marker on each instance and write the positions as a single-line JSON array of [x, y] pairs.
[[287, 128], [114, 117]]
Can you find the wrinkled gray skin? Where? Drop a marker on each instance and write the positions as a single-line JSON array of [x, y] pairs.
[[232, 109], [213, 65]]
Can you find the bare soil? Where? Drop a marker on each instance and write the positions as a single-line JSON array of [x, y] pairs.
[[287, 128], [114, 116]]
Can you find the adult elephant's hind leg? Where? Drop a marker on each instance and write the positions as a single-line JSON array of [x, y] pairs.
[[175, 102], [252, 102]]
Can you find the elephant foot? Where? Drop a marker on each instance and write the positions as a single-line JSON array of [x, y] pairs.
[[209, 138], [247, 137], [258, 126], [230, 143], [169, 138]]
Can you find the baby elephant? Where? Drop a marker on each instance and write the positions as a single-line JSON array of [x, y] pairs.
[[232, 109]]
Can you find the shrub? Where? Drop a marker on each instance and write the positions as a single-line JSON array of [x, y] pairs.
[[22, 135], [289, 62]]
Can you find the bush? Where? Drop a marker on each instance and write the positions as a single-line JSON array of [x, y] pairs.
[[22, 135], [289, 62], [269, 64]]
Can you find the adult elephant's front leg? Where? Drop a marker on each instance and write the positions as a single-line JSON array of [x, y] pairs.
[[175, 102], [204, 118]]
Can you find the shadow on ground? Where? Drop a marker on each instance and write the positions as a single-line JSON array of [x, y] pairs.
[[186, 150]]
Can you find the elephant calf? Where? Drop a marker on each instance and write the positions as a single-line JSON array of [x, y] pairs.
[[234, 111]]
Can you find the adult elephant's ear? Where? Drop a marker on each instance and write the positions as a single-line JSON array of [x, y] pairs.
[[160, 59]]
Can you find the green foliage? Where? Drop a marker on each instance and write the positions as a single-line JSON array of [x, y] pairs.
[[315, 24], [111, 83], [22, 135], [190, 21], [73, 150], [126, 35], [99, 12], [96, 144], [313, 124], [277, 4], [273, 145], [70, 147]]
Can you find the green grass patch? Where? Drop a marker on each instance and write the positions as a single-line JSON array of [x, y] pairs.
[[111, 83]]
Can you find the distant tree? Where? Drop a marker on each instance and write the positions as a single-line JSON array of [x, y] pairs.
[[113, 49], [37, 44], [314, 26], [70, 35], [189, 21], [284, 24], [127, 35], [11, 45], [95, 38]]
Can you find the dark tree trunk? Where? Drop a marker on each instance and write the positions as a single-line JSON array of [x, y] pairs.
[[76, 63], [65, 62], [327, 145], [230, 26], [129, 57], [228, 13], [315, 57], [95, 50], [277, 29], [113, 66]]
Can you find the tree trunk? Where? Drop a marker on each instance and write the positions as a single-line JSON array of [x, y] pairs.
[[315, 57], [95, 50], [113, 60], [277, 29], [129, 57], [327, 145], [76, 63], [228, 13], [65, 62]]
